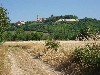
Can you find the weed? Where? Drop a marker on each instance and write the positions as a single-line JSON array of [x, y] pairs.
[[54, 45]]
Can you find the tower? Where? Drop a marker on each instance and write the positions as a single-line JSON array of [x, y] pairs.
[[37, 17]]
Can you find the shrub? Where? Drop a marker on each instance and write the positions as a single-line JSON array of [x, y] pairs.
[[89, 58], [52, 45], [90, 54]]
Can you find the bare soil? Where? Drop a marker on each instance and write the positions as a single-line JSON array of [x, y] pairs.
[[19, 62]]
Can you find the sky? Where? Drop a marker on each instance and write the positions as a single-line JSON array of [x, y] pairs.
[[27, 10]]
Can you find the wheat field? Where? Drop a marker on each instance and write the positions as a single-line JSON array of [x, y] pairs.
[[37, 49], [34, 48]]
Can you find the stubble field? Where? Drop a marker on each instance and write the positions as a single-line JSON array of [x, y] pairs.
[[35, 50]]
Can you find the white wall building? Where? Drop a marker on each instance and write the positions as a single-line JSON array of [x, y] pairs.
[[67, 20], [20, 22]]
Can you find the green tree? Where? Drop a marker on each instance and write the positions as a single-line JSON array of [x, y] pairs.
[[20, 34], [4, 22], [7, 36], [36, 36]]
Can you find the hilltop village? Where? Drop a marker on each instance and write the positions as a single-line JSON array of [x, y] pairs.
[[66, 18], [67, 27]]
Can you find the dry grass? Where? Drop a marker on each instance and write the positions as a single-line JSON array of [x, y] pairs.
[[37, 49], [3, 50], [1, 59], [20, 49], [55, 58]]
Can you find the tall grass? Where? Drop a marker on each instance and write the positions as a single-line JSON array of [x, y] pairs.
[[66, 58]]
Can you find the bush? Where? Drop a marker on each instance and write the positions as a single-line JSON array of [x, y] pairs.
[[52, 45], [83, 61], [90, 54], [89, 58]]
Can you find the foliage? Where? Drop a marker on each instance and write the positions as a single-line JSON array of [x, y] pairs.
[[54, 45], [8, 36], [4, 21], [36, 36], [86, 28], [88, 57]]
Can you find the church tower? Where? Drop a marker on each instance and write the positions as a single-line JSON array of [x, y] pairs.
[[37, 17]]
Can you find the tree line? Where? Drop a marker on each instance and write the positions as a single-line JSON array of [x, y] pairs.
[[49, 29], [83, 29]]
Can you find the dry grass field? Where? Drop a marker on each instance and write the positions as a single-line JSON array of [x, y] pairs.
[[37, 49]]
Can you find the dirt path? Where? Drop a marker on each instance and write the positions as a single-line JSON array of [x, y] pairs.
[[21, 63]]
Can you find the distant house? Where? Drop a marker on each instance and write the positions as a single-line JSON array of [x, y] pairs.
[[20, 23], [40, 19], [67, 20]]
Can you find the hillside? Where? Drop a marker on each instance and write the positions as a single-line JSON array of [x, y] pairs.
[[84, 29]]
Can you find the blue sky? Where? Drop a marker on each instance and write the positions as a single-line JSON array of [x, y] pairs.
[[27, 10]]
